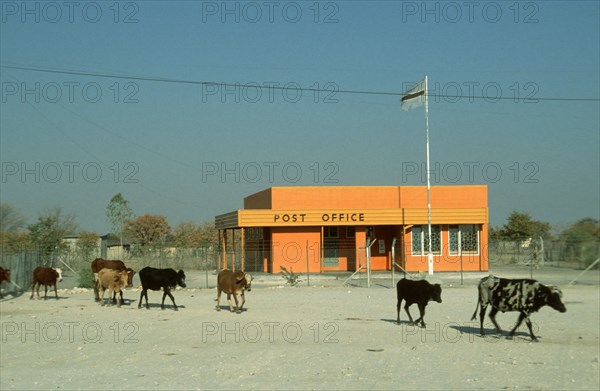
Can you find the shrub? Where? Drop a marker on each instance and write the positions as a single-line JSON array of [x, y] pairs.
[[86, 278], [291, 278]]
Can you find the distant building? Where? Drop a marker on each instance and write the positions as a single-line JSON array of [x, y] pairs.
[[319, 229], [111, 247]]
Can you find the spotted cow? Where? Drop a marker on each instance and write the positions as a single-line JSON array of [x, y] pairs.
[[525, 296]]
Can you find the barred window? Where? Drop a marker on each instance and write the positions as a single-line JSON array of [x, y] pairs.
[[420, 242], [464, 239]]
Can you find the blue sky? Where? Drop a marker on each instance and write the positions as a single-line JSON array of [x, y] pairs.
[[190, 152]]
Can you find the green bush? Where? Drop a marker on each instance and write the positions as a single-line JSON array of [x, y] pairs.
[[292, 278], [86, 278]]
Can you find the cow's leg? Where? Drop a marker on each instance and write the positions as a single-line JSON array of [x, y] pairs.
[[398, 310], [102, 297], [96, 294], [522, 316], [406, 305], [243, 301], [45, 292], [146, 296], [141, 297], [32, 290], [237, 308], [168, 292], [110, 295], [218, 299], [119, 300], [481, 317], [55, 291], [493, 313], [533, 337], [229, 301], [421, 313]]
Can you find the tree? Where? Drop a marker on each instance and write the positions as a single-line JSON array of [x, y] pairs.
[[118, 212], [587, 229], [11, 218], [581, 240], [148, 230], [47, 236], [521, 226], [65, 222], [87, 245], [14, 241]]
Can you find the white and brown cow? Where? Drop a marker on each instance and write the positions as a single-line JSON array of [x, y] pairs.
[[523, 295], [233, 283], [45, 276]]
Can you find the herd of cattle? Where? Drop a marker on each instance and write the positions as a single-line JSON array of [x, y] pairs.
[[525, 296]]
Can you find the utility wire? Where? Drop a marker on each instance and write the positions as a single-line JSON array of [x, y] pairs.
[[285, 88]]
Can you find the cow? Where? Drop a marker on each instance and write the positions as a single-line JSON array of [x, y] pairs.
[[112, 280], [4, 276], [155, 279], [99, 264], [523, 295], [420, 292], [233, 283], [45, 276]]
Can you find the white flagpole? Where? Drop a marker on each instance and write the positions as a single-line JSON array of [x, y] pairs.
[[429, 253]]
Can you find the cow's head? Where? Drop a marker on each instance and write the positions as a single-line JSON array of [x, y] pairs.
[[130, 274], [555, 299], [181, 278], [248, 282], [59, 272], [436, 293], [124, 278]]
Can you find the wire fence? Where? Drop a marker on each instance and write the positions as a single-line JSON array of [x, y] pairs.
[[21, 267], [539, 253], [559, 260]]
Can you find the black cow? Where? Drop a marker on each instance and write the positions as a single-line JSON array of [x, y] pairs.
[[155, 279], [419, 292], [523, 295]]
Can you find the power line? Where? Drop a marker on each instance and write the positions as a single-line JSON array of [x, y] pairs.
[[285, 88]]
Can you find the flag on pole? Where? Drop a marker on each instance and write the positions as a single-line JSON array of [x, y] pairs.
[[414, 97]]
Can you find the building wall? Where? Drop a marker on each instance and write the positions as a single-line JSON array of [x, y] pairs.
[[285, 240]]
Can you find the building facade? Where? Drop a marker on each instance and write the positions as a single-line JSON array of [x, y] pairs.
[[321, 229]]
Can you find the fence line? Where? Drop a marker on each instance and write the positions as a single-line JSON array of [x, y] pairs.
[[21, 267]]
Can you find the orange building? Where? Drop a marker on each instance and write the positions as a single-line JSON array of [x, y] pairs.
[[320, 229]]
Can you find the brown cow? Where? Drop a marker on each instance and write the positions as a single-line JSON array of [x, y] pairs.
[[99, 264], [4, 276], [45, 276], [112, 280], [233, 283]]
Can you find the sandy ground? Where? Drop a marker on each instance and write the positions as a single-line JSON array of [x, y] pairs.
[[320, 337]]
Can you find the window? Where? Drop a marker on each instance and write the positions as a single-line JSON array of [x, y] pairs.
[[350, 232], [420, 239], [464, 239], [330, 232]]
